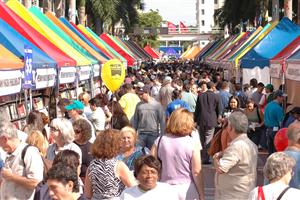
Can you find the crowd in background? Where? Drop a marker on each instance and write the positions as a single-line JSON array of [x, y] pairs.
[[150, 139]]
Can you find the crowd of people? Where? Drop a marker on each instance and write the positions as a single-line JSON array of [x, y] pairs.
[[151, 138]]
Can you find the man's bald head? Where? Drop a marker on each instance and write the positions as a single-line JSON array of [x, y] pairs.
[[293, 132]]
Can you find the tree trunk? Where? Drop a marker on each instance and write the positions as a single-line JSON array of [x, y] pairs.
[[47, 6], [27, 3], [82, 18], [59, 8], [99, 27], [288, 9], [275, 10], [298, 12], [72, 11]]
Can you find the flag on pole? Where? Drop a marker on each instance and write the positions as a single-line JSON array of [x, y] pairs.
[[171, 27], [183, 28]]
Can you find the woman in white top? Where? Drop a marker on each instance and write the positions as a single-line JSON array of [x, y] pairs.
[[279, 171], [63, 134]]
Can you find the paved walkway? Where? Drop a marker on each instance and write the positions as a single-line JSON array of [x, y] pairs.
[[209, 173]]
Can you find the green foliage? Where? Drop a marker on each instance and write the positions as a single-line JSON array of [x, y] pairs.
[[150, 19]]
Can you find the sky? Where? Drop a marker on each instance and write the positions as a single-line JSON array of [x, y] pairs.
[[174, 10]]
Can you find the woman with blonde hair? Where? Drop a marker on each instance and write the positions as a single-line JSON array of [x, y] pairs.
[[130, 149], [106, 176], [37, 139], [179, 154]]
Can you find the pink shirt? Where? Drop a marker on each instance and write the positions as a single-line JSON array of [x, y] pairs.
[[176, 156]]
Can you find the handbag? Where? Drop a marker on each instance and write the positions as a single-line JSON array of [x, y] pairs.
[[215, 143], [218, 142]]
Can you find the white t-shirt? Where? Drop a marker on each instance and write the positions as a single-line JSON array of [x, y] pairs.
[[273, 190], [161, 191]]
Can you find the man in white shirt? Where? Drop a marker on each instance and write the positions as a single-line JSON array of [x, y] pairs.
[[23, 168], [98, 116]]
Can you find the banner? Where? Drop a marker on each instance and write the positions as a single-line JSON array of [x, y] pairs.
[[10, 82], [276, 70], [28, 67], [96, 70], [45, 77], [84, 73], [293, 72], [67, 75]]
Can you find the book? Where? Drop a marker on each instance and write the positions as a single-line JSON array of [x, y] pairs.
[[21, 110], [13, 111]]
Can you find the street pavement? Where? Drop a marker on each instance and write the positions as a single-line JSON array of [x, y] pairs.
[[209, 173]]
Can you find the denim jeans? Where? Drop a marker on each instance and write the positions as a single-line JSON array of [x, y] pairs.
[[147, 139], [270, 140], [206, 135]]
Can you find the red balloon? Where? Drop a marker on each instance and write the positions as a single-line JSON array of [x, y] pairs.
[[281, 140]]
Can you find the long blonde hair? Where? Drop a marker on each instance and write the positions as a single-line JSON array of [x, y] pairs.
[[37, 139]]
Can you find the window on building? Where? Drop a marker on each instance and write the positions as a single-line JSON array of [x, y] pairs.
[[216, 2], [202, 1], [202, 22], [202, 11]]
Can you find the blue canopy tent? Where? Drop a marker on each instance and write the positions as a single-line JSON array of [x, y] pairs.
[[171, 52], [65, 22], [43, 67], [255, 63]]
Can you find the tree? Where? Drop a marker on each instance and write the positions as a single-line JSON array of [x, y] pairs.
[[152, 20], [81, 11]]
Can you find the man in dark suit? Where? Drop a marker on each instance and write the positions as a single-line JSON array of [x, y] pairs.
[[207, 114]]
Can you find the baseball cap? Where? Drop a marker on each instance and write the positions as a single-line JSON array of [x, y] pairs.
[[167, 78], [143, 90], [279, 93], [139, 85], [269, 86], [75, 105]]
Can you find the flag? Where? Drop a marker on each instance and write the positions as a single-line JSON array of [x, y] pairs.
[[183, 28], [171, 27]]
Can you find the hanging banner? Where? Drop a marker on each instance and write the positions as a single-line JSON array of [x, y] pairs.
[[45, 77], [293, 72], [67, 75], [84, 73], [10, 82], [28, 67], [275, 70], [96, 70]]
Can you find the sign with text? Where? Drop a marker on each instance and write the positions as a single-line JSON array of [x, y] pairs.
[[10, 82], [293, 72], [275, 70], [96, 70], [45, 78], [84, 73], [67, 75], [28, 67]]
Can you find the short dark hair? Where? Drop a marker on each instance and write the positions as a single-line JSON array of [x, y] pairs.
[[176, 94], [95, 102], [84, 127], [148, 160], [253, 82], [64, 173], [67, 157]]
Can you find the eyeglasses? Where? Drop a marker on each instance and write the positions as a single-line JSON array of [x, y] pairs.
[[53, 129], [76, 131]]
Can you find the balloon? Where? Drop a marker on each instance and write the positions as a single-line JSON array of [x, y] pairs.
[[113, 74], [281, 140]]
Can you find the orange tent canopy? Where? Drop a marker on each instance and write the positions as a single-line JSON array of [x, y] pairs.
[[8, 60]]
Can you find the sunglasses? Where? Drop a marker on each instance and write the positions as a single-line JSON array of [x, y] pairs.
[[53, 129]]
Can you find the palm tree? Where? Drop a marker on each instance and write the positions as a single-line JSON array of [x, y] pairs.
[[81, 11], [288, 9]]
